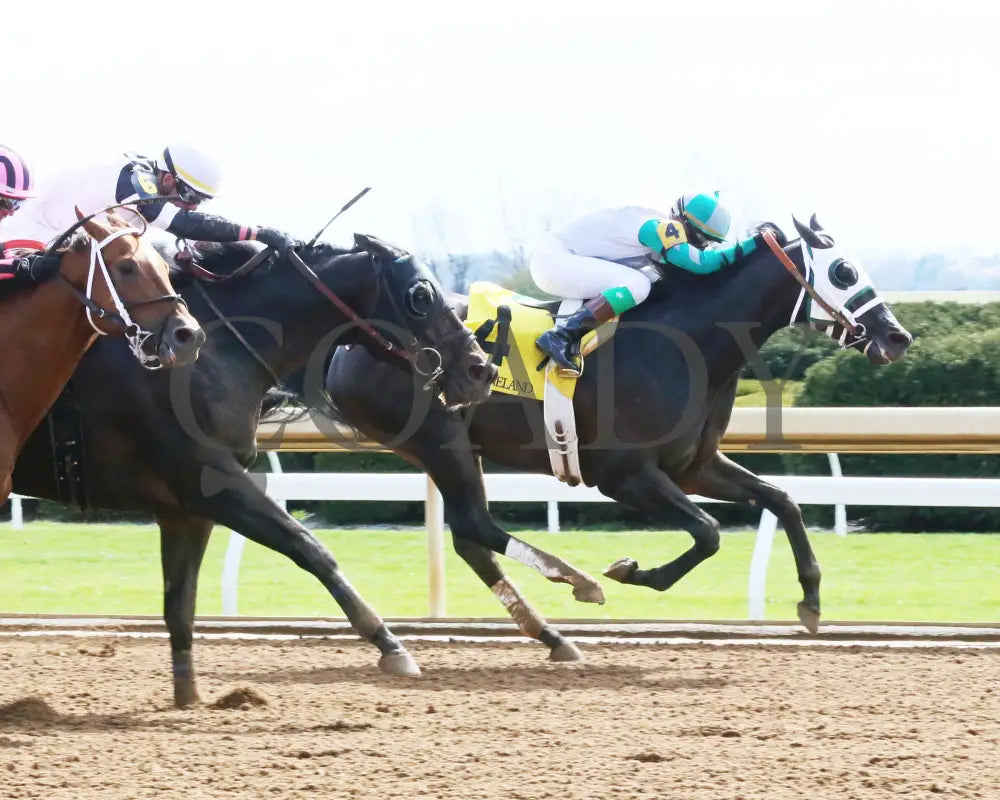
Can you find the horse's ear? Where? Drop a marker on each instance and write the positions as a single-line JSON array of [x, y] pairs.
[[814, 223], [821, 241], [375, 245], [92, 227]]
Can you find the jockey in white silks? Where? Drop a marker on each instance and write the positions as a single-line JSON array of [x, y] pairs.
[[598, 258], [172, 186]]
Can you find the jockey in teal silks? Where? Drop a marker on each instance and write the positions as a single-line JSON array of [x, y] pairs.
[[598, 258]]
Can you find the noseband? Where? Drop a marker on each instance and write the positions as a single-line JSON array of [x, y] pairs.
[[411, 353]]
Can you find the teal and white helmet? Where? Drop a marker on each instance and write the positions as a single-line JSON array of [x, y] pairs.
[[705, 213]]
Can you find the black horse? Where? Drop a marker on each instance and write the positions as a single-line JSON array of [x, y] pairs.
[[651, 408], [178, 445]]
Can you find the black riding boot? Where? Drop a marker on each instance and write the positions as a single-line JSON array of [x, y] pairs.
[[557, 342]]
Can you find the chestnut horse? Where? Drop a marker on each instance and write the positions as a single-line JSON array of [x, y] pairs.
[[97, 277]]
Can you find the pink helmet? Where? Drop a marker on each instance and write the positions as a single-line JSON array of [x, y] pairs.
[[16, 176]]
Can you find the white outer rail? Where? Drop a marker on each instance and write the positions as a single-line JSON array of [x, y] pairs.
[[805, 490]]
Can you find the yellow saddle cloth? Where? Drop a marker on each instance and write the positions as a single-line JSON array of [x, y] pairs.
[[495, 311]]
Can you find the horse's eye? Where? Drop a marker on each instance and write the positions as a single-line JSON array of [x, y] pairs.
[[842, 274], [420, 298], [127, 267]]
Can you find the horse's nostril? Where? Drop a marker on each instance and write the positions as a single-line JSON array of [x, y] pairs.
[[900, 337], [482, 372], [183, 335]]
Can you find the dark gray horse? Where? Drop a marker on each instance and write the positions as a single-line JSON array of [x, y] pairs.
[[178, 445], [651, 408]]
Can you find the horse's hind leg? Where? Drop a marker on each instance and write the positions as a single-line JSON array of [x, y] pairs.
[[183, 540], [230, 497], [650, 490], [725, 480], [531, 623]]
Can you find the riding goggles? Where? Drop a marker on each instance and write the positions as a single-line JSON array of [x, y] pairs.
[[189, 195]]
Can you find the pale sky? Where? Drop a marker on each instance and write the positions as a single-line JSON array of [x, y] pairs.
[[480, 123]]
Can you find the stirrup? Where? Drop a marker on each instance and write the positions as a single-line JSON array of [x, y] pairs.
[[575, 372], [563, 372]]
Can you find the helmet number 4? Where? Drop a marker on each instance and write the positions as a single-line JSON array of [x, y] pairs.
[[671, 234]]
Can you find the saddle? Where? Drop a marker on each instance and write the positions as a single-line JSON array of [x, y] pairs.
[[506, 325]]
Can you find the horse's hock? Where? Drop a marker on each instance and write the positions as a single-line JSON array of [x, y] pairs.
[[312, 717]]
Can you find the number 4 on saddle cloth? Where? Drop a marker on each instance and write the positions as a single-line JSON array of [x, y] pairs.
[[506, 325]]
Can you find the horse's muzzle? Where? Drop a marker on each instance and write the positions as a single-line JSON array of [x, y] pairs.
[[889, 347], [179, 343]]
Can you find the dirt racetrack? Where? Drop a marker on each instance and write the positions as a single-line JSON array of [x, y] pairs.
[[93, 717]]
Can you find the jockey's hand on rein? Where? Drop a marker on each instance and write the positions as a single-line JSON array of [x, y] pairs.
[[280, 242], [758, 233]]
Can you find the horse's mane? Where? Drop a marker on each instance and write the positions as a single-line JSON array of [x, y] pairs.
[[678, 284], [224, 258], [78, 242]]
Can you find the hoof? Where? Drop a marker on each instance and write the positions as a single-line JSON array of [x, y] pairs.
[[186, 696], [809, 617], [622, 570], [589, 592], [566, 653], [400, 664]]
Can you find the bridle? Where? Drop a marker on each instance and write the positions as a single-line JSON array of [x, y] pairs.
[[855, 329], [424, 360], [138, 338], [412, 351]]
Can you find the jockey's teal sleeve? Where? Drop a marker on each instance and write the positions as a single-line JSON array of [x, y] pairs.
[[702, 262]]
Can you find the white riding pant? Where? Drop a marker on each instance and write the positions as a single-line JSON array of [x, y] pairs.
[[562, 273]]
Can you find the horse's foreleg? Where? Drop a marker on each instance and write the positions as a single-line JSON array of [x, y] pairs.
[[725, 480], [232, 499], [531, 623], [651, 491], [183, 540], [441, 447]]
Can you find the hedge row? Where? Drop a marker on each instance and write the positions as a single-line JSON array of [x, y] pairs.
[[954, 361]]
